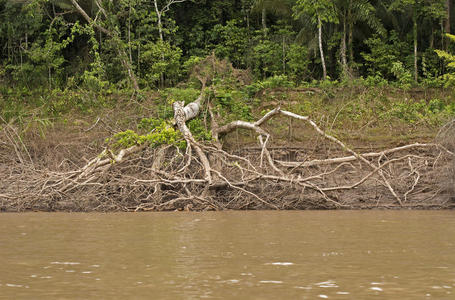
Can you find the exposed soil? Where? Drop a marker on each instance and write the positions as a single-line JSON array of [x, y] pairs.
[[318, 153], [422, 177]]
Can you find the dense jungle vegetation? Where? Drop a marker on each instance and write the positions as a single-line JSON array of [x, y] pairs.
[[102, 45], [228, 104], [62, 56]]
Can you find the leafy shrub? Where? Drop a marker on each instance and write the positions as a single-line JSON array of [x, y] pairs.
[[276, 81], [373, 81], [298, 62], [180, 94], [266, 56], [231, 104], [198, 130], [161, 133], [158, 60], [435, 112], [383, 53], [230, 41], [189, 64], [403, 76]]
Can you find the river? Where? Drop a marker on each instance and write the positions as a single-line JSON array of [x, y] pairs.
[[229, 255]]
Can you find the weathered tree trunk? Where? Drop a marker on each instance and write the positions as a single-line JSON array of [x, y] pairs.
[[321, 51], [180, 116]]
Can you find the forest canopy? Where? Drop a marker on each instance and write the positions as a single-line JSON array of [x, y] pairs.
[[93, 44]]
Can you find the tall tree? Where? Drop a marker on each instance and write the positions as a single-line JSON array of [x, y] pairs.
[[160, 11], [418, 9], [282, 7], [410, 7], [353, 12], [447, 21], [319, 11]]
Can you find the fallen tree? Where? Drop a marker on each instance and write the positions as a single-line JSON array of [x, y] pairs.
[[203, 175]]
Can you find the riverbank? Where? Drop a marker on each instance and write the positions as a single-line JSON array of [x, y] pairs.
[[409, 164]]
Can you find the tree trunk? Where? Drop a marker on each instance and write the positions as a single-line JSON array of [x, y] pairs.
[[415, 45], [126, 64], [129, 33], [350, 34], [158, 15], [160, 31], [344, 62], [324, 70], [284, 56], [264, 21], [139, 54], [447, 23]]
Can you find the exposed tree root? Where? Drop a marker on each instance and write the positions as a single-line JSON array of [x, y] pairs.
[[140, 178]]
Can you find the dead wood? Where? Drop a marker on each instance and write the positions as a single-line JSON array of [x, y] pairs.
[[207, 177], [142, 178]]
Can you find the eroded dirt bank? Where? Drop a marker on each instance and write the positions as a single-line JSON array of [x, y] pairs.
[[306, 171]]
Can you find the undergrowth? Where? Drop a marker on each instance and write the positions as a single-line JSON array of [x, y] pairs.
[[363, 103]]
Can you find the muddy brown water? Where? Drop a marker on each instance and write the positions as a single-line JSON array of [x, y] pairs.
[[229, 255]]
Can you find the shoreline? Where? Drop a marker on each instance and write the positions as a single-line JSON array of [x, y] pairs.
[[315, 172]]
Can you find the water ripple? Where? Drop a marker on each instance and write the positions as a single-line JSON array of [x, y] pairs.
[[271, 281], [327, 284], [280, 263]]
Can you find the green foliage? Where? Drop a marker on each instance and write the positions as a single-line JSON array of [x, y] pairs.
[[278, 81], [189, 64], [180, 94], [48, 43], [266, 56], [298, 62], [230, 41], [431, 68], [384, 54], [403, 75], [231, 104], [373, 81], [434, 112], [199, 130], [323, 9], [93, 78], [160, 59], [450, 59], [160, 133]]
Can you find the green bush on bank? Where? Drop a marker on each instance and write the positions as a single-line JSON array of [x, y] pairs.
[[160, 132], [361, 102]]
